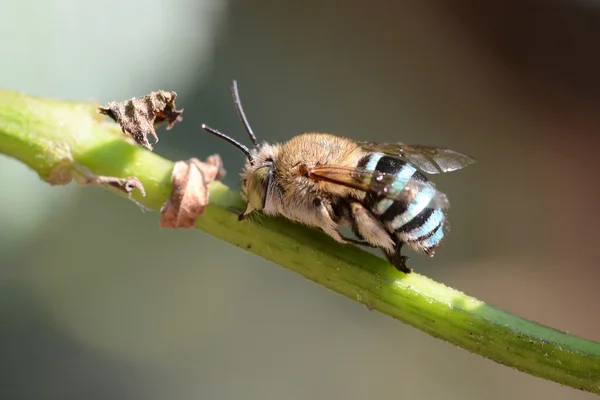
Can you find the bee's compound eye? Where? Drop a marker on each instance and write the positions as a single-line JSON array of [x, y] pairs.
[[258, 187]]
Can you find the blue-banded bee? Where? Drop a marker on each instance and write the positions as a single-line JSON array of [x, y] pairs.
[[327, 181]]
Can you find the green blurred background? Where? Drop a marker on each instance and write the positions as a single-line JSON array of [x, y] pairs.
[[97, 302]]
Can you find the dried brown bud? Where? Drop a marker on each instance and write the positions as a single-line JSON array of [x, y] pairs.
[[140, 115], [189, 191]]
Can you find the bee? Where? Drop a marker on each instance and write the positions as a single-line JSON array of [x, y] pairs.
[[326, 181]]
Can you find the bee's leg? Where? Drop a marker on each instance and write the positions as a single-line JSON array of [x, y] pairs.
[[396, 258], [329, 226], [360, 242], [325, 221], [368, 228]]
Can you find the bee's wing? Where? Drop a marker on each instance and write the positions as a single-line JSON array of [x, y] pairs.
[[432, 160], [381, 184]]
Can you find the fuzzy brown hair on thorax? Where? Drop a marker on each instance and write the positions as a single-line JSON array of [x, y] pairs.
[[309, 150]]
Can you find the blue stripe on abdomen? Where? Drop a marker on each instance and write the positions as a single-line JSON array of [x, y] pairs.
[[382, 206], [402, 173], [401, 179], [428, 226], [373, 161], [434, 240], [420, 202]]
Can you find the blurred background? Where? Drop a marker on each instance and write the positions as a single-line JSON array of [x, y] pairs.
[[98, 302]]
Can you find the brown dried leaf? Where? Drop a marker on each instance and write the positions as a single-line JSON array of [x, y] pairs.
[[189, 191], [66, 170], [126, 185], [140, 115]]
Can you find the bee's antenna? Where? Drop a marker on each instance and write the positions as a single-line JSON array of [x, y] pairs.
[[240, 112], [234, 142]]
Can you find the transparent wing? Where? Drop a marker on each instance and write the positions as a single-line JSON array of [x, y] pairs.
[[432, 160], [385, 185]]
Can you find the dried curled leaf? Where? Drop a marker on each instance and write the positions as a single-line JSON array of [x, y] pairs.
[[189, 191], [66, 170], [126, 185], [139, 116]]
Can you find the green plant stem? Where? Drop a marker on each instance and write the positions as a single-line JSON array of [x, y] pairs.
[[42, 132]]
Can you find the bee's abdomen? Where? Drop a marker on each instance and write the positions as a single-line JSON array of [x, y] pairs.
[[411, 220], [425, 231]]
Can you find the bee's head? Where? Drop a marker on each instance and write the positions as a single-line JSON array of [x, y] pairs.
[[256, 177], [257, 182]]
